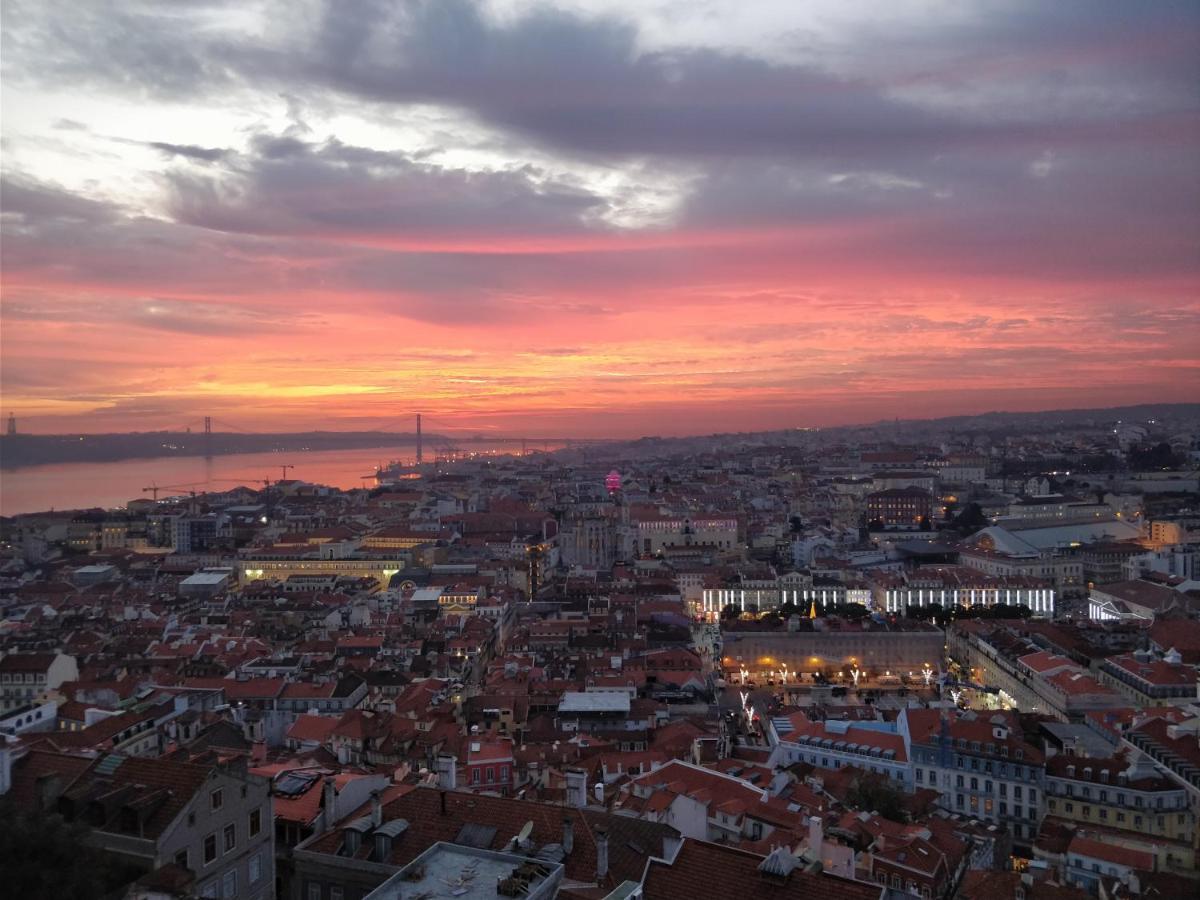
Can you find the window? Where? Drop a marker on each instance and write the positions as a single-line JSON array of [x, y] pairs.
[[474, 776], [504, 773], [212, 889], [1033, 795], [210, 848], [920, 777], [255, 868], [491, 774], [230, 885], [230, 837], [217, 799], [314, 891], [181, 859], [335, 892], [255, 822]]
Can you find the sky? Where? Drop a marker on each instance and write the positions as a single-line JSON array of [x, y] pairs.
[[590, 218]]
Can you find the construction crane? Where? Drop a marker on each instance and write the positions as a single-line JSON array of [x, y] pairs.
[[155, 488], [283, 471], [265, 482]]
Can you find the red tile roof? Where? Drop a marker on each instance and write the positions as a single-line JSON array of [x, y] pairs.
[[702, 870]]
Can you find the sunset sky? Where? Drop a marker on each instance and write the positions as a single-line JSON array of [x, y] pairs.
[[594, 217]]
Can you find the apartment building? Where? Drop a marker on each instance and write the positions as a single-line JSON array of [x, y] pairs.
[[214, 822], [980, 764], [1147, 681], [27, 678], [1118, 793]]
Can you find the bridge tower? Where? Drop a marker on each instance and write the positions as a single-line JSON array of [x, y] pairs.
[[420, 456], [12, 425]]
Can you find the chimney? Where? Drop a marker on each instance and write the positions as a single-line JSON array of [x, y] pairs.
[[376, 809], [816, 836], [330, 790], [447, 767], [599, 790], [601, 833], [568, 837], [576, 787]]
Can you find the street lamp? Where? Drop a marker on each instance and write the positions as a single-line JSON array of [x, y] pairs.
[[745, 674], [927, 671], [854, 673]]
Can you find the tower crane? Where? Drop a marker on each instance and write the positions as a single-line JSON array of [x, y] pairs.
[[155, 488]]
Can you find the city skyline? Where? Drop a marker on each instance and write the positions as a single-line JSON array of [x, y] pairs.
[[592, 218]]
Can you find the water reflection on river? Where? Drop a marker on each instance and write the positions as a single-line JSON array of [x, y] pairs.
[[85, 485]]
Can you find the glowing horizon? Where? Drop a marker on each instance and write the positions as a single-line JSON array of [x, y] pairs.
[[594, 219]]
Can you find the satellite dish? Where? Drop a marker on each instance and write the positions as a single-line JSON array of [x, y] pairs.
[[526, 831]]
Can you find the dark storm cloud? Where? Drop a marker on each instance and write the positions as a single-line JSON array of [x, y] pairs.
[[190, 151], [583, 85], [28, 203], [287, 186]]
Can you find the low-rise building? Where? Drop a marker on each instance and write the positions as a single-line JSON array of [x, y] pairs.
[[1147, 681], [980, 764], [1118, 793], [213, 822]]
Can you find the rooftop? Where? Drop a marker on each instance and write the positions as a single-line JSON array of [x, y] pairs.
[[466, 873], [594, 701]]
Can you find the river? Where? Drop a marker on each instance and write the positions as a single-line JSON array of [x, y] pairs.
[[113, 484]]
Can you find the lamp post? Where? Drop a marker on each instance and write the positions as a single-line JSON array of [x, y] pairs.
[[927, 671], [854, 673]]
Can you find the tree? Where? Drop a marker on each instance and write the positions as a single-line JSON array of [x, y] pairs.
[[43, 855], [970, 520], [730, 611], [1158, 457], [871, 794]]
